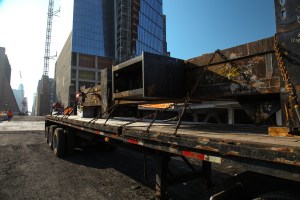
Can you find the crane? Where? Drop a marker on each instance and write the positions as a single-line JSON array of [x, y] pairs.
[[45, 101]]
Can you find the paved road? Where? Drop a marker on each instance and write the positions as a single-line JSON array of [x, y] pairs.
[[29, 170]]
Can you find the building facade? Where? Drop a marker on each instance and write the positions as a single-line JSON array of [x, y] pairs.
[[37, 110], [106, 32], [7, 98], [21, 99], [33, 112]]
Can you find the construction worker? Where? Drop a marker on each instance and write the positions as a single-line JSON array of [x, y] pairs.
[[9, 115]]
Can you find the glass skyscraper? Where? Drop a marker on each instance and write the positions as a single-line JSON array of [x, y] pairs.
[[92, 32], [151, 27], [106, 32], [140, 26]]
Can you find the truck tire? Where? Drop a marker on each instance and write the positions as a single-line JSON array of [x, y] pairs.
[[278, 195], [47, 134], [59, 142], [51, 133]]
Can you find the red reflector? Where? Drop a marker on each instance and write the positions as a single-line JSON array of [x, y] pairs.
[[132, 141], [190, 154]]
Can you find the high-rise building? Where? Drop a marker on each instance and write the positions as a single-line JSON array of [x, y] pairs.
[[19, 95], [33, 112], [105, 32], [38, 97], [139, 26], [7, 98]]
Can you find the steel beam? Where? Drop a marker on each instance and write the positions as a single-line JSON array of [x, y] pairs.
[[149, 77]]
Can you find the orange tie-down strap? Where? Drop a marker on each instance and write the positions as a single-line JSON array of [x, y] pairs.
[[68, 111]]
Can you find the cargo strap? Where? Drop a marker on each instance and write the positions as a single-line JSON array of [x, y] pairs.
[[180, 116], [152, 115], [109, 111]]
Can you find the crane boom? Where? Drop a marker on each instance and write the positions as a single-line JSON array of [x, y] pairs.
[[45, 103], [48, 37]]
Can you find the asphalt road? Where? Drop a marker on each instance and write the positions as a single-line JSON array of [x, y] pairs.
[[29, 170]]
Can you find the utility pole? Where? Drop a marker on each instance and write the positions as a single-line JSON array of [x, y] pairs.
[[44, 106]]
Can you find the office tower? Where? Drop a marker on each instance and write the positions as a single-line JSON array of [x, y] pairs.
[[38, 97], [7, 98], [19, 95], [106, 32], [140, 26]]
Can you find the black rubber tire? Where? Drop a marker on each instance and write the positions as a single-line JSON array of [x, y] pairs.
[[51, 133], [59, 142], [279, 195], [47, 134]]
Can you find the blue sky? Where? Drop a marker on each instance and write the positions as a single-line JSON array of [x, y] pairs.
[[195, 27]]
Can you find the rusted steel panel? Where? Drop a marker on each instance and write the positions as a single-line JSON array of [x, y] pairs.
[[245, 72], [149, 77], [260, 107], [250, 69], [287, 15], [288, 31], [242, 51]]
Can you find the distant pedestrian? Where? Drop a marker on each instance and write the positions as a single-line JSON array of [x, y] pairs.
[[9, 115]]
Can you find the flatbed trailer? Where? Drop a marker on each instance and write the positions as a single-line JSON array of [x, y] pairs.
[[262, 76], [274, 162]]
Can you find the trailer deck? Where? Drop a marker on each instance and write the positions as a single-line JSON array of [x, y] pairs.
[[208, 142]]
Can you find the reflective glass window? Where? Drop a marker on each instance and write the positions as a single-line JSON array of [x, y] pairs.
[[150, 30], [89, 27]]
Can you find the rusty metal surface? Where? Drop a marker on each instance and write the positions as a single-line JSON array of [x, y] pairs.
[[287, 15], [260, 107], [247, 73], [242, 51], [149, 77], [288, 31], [256, 72], [92, 96]]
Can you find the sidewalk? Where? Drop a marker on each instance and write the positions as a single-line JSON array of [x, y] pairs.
[[22, 125]]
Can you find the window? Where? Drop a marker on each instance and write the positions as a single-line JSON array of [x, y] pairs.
[[73, 75], [86, 61], [86, 75]]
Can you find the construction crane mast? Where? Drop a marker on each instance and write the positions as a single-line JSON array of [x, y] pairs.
[[45, 101]]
